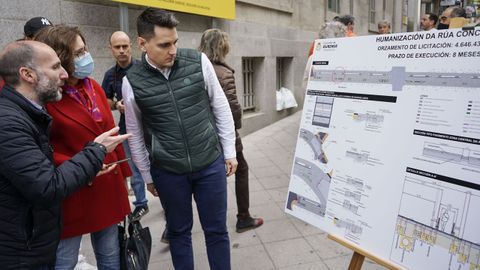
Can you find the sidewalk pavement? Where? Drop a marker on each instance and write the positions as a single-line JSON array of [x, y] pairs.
[[283, 242]]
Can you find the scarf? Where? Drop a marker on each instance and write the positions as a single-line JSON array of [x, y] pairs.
[[85, 95]]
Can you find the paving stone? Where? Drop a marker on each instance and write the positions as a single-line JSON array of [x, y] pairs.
[[277, 230], [254, 185], [261, 162], [342, 262], [275, 181], [305, 228], [326, 248], [318, 265], [245, 239], [252, 257], [278, 194], [164, 265], [266, 171], [268, 212], [260, 197], [291, 252]]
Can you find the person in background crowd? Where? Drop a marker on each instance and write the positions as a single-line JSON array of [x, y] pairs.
[[34, 25], [349, 22], [384, 27], [121, 49], [327, 30], [32, 187], [82, 114], [215, 44], [332, 31], [176, 108], [448, 14], [428, 21]]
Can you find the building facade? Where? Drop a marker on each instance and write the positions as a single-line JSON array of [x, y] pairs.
[[270, 38]]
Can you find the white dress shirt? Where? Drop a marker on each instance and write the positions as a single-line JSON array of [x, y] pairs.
[[218, 103]]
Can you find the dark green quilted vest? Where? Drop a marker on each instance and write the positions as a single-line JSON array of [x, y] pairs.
[[178, 125]]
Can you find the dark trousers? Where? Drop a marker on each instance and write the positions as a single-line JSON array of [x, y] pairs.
[[45, 267], [209, 189], [241, 187]]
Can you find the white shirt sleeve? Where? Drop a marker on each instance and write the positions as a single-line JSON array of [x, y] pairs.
[[133, 121], [220, 108]]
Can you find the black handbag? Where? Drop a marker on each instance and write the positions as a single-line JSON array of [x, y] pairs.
[[135, 246]]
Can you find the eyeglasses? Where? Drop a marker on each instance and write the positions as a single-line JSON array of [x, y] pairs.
[[80, 52], [443, 18]]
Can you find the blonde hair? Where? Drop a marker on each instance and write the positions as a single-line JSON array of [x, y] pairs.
[[215, 45], [384, 22]]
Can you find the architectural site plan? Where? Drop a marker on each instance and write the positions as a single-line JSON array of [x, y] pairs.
[[388, 151]]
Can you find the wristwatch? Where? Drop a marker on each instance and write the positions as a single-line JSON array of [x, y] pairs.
[[103, 147]]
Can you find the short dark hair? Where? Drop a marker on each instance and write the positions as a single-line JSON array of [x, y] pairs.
[[16, 55], [432, 17], [150, 17], [458, 12], [347, 19]]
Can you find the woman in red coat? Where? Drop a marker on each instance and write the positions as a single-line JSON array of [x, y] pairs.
[[81, 115]]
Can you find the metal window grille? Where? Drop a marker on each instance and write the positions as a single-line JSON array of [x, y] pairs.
[[248, 84], [371, 11], [334, 5], [280, 73]]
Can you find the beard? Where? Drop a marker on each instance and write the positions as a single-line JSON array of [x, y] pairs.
[[47, 90]]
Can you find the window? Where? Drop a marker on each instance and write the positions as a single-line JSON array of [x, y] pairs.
[[371, 12], [280, 79], [284, 72], [248, 84], [334, 6]]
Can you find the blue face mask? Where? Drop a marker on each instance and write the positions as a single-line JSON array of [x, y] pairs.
[[83, 66]]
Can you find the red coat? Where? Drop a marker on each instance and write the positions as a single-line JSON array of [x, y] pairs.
[[105, 202]]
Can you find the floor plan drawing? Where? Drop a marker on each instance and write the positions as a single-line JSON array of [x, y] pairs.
[[314, 177], [435, 222], [315, 141]]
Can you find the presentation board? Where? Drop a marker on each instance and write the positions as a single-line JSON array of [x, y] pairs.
[[388, 151]]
